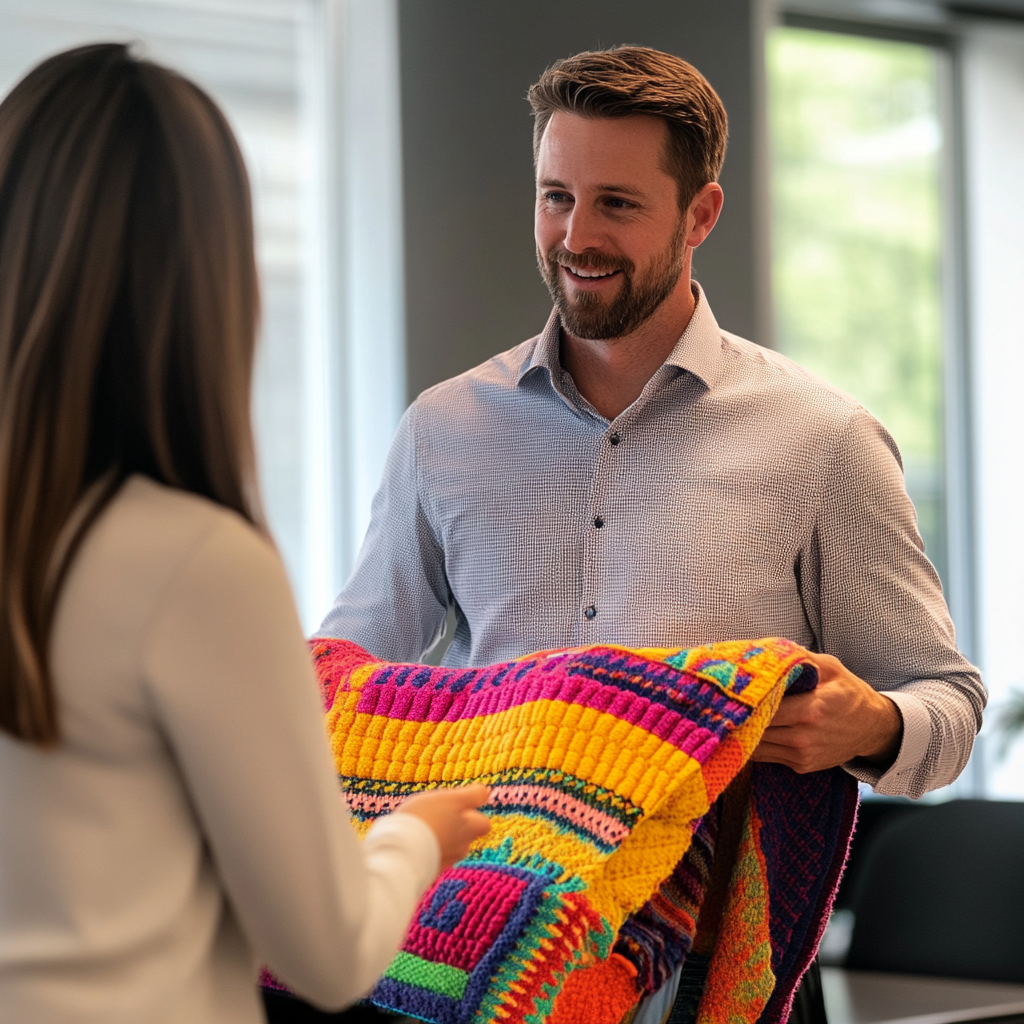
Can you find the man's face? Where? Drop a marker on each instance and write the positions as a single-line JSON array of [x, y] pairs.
[[609, 231]]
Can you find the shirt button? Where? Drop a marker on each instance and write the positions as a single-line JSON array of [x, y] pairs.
[[599, 522], [590, 612], [614, 439]]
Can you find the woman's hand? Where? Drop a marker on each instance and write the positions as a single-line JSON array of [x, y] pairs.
[[453, 815]]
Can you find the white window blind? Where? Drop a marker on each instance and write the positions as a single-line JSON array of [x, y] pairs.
[[311, 89]]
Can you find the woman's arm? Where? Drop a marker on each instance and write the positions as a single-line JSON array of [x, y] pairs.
[[233, 688]]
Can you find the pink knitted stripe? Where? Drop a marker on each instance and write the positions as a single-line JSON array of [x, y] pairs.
[[373, 804], [407, 703], [600, 825]]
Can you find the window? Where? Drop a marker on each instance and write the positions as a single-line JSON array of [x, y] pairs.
[[879, 289], [858, 235]]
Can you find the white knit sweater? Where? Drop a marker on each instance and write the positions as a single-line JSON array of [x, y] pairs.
[[189, 824]]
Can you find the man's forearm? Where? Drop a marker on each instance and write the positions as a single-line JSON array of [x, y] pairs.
[[940, 721]]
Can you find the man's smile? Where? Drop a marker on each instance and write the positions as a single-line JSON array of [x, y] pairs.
[[587, 279]]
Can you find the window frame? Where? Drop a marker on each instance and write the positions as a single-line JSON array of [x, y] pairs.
[[962, 514]]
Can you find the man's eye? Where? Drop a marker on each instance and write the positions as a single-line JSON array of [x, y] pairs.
[[557, 197], [618, 204]]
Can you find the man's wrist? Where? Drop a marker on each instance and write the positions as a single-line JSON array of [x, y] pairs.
[[887, 736]]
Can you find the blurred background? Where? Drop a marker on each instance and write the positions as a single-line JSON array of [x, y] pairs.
[[873, 230]]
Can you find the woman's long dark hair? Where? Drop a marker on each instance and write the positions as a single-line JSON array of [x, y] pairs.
[[128, 313]]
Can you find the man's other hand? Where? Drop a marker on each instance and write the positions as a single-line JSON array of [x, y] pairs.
[[841, 719]]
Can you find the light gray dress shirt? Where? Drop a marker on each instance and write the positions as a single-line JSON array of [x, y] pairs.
[[738, 497]]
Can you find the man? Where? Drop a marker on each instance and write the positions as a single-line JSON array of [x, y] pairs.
[[635, 475]]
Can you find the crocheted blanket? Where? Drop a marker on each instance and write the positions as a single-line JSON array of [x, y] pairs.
[[627, 828]]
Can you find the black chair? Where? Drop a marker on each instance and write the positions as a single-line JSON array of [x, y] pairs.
[[941, 892], [873, 816]]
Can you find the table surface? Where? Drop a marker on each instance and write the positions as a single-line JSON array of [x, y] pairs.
[[869, 997]]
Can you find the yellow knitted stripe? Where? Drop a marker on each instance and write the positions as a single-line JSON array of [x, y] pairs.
[[646, 857], [765, 668], [590, 744]]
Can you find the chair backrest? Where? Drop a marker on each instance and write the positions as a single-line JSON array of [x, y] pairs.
[[942, 893]]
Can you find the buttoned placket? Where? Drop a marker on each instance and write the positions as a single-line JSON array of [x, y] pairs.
[[597, 532], [589, 581]]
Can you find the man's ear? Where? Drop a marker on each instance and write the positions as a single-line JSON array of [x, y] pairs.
[[703, 213]]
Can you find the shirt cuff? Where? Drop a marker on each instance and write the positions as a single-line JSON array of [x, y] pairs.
[[898, 779], [413, 837]]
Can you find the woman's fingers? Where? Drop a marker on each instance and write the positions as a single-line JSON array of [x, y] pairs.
[[454, 816]]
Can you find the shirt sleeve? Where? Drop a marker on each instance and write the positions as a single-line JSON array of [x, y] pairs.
[[233, 689], [395, 602], [875, 602]]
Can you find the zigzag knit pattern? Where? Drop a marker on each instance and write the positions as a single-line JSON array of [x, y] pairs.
[[600, 869]]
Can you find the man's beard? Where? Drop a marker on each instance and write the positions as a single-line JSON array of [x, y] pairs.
[[596, 318]]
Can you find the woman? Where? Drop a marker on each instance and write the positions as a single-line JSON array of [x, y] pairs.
[[169, 816]]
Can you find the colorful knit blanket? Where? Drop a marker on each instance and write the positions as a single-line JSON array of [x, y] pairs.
[[627, 828]]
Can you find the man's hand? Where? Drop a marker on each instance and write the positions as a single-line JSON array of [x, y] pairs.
[[842, 719]]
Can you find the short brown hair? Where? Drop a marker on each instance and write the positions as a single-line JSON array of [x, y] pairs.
[[128, 315], [630, 80]]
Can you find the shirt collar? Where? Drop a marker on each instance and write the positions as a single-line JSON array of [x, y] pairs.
[[698, 350]]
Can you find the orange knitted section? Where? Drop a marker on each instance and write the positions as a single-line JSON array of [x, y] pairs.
[[740, 979], [601, 994], [543, 968]]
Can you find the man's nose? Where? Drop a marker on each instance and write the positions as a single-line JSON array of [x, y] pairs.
[[583, 230]]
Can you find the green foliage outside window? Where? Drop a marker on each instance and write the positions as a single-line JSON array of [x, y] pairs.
[[856, 137]]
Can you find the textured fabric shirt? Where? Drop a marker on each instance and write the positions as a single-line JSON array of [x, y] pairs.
[[188, 825], [738, 497]]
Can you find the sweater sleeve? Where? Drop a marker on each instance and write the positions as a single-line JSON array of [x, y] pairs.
[[231, 682]]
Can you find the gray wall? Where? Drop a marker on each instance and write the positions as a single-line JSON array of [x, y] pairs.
[[472, 287]]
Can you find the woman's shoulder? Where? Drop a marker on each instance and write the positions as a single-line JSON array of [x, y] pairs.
[[144, 498], [152, 549], [146, 536], [165, 524]]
